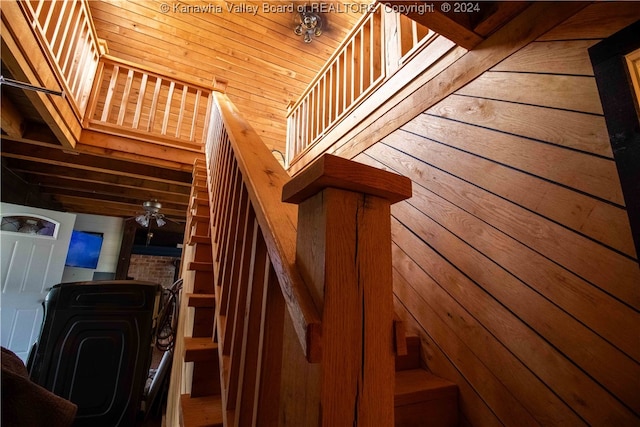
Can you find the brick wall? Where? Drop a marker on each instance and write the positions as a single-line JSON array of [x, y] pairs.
[[157, 269]]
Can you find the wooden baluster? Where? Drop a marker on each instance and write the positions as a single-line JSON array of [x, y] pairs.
[[305, 126], [154, 104], [60, 22], [75, 75], [38, 10], [372, 48], [207, 117], [392, 41], [249, 375], [183, 103], [344, 255], [84, 91], [266, 402], [339, 84], [354, 71], [140, 102], [194, 118], [63, 38], [167, 108], [47, 21], [110, 92], [345, 80], [71, 43], [125, 97], [243, 253], [331, 95], [229, 227], [362, 58]]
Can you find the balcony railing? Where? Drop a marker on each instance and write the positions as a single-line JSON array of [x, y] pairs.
[[111, 95], [66, 29], [136, 102], [378, 46]]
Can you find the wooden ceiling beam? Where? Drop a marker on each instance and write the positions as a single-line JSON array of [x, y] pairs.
[[40, 135], [466, 28], [55, 156], [133, 208], [44, 170], [54, 184], [138, 151], [454, 26], [169, 208], [12, 120]]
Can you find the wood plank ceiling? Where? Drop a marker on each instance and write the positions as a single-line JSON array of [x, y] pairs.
[[250, 45]]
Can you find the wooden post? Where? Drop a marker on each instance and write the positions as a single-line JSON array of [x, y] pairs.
[[344, 255]]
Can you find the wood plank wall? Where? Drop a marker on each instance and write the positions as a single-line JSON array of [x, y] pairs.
[[514, 260]]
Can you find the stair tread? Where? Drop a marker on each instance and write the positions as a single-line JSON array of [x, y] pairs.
[[201, 300], [411, 357], [205, 411], [417, 385], [200, 266], [195, 238], [199, 349]]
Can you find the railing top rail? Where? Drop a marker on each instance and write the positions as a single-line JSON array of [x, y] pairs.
[[265, 178], [156, 73], [374, 8]]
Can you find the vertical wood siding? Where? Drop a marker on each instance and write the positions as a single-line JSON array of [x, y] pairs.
[[514, 259]]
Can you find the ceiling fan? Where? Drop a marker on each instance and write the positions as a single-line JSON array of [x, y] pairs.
[[151, 212]]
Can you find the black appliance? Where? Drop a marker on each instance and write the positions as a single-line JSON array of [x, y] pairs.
[[95, 348]]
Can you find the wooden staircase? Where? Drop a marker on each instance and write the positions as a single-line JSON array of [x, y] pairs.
[[202, 407], [421, 398]]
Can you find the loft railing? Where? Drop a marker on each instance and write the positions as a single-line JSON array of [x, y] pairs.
[[112, 95], [66, 28], [378, 45], [303, 293], [133, 101]]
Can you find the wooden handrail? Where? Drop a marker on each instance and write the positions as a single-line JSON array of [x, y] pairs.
[[157, 73], [264, 178]]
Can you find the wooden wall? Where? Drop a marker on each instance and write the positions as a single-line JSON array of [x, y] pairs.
[[514, 260]]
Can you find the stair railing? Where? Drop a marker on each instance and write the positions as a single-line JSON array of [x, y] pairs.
[[379, 45], [304, 304], [66, 29], [137, 102]]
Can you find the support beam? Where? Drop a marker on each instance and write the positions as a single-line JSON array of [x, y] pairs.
[[12, 120], [467, 24]]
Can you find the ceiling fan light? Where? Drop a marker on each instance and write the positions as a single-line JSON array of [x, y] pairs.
[[160, 222], [143, 220]]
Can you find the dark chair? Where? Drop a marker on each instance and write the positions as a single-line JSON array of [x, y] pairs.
[[95, 346]]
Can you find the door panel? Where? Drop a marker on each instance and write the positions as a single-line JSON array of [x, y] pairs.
[[30, 264]]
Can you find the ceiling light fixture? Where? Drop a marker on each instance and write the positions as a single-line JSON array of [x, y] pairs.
[[151, 211], [309, 24]]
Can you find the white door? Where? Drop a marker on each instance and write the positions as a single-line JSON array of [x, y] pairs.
[[33, 250]]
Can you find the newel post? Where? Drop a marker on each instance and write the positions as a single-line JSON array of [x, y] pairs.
[[344, 255]]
